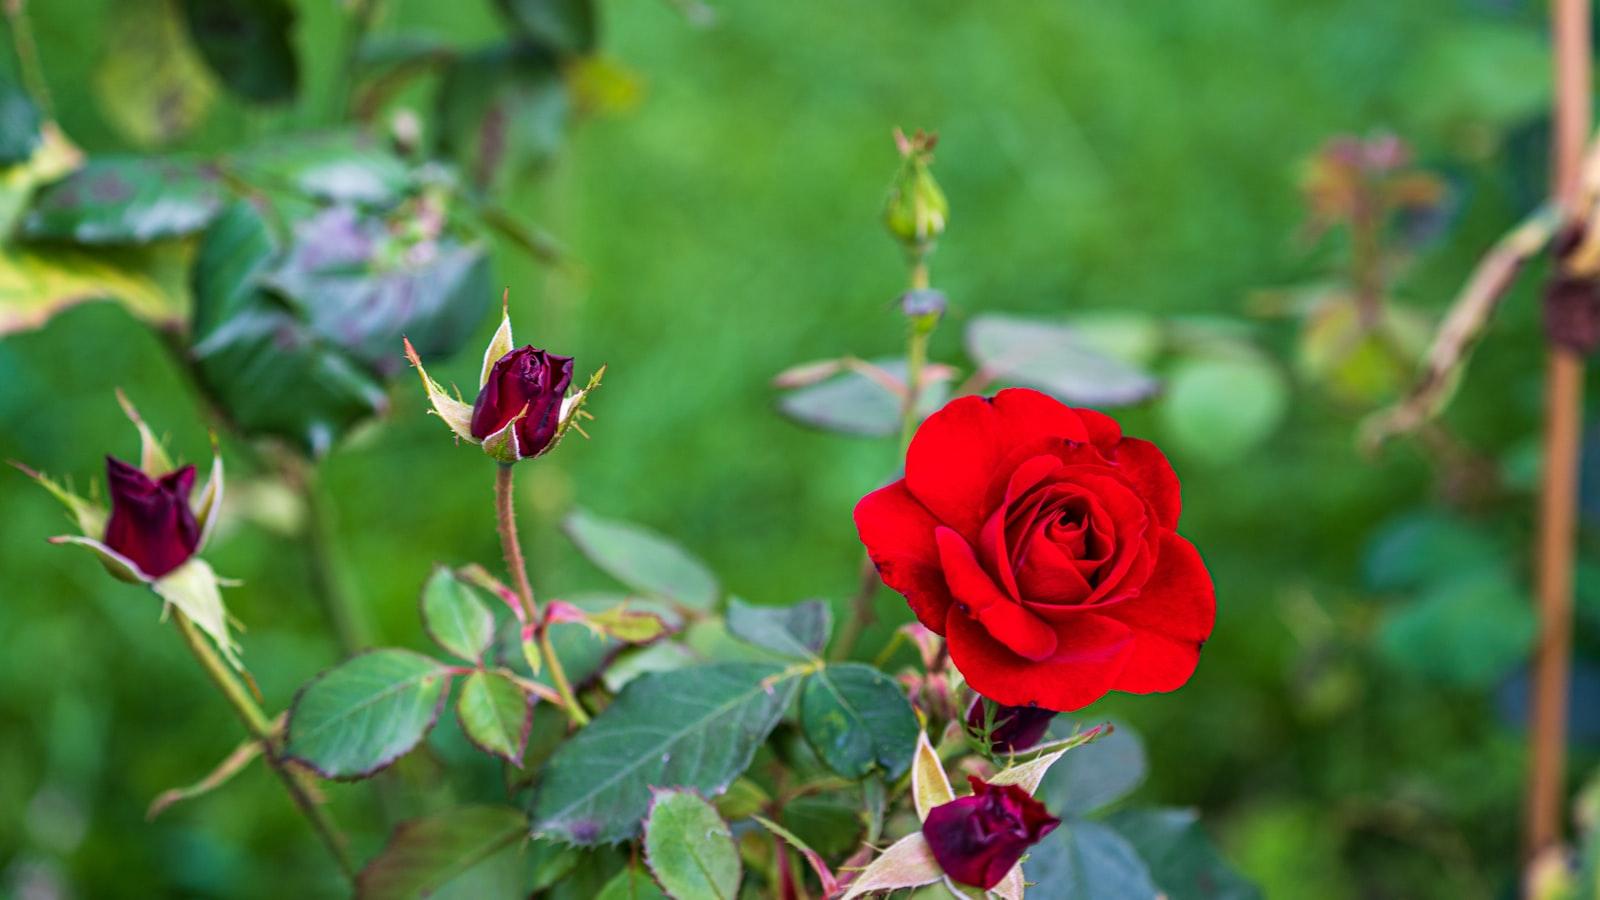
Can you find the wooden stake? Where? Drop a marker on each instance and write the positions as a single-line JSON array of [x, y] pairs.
[[1563, 430]]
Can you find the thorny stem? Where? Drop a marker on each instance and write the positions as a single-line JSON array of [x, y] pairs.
[[28, 56], [506, 517], [261, 729]]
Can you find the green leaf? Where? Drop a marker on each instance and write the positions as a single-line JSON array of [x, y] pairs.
[[466, 853], [689, 848], [126, 200], [642, 559], [852, 403], [360, 287], [859, 721], [1054, 358], [339, 167], [365, 713], [1467, 630], [695, 728], [247, 44], [150, 282], [1086, 861], [495, 715], [455, 616], [568, 26], [632, 883], [1218, 407], [1094, 775], [271, 371], [800, 631], [150, 83], [52, 157], [1181, 858], [19, 124], [662, 656]]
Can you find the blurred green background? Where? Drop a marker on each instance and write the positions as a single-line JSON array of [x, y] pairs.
[[1138, 158]]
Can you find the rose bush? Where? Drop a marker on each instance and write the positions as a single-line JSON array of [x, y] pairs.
[[1041, 543]]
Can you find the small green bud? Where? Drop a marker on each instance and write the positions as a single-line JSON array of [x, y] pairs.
[[916, 210]]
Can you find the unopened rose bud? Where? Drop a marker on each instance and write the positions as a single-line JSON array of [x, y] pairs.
[[523, 408], [977, 839], [916, 210], [526, 386], [1011, 729], [151, 524]]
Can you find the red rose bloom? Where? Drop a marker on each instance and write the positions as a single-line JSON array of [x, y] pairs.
[[977, 839], [1040, 542]]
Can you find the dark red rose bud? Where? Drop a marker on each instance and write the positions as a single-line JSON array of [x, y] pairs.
[[978, 839], [524, 379], [151, 522], [1014, 728]]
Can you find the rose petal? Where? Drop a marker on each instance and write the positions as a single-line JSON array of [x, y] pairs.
[[1143, 464], [1178, 602], [1006, 619], [898, 533], [1089, 657], [963, 456], [1157, 663], [993, 544], [1104, 432]]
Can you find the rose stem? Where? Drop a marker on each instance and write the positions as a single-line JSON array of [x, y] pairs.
[[260, 728], [506, 513], [918, 331], [1558, 495]]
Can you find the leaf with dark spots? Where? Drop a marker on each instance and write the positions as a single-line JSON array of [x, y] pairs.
[[126, 200], [339, 167]]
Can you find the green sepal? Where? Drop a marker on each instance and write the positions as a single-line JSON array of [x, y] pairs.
[[90, 516], [120, 567], [455, 413], [209, 507], [503, 446], [500, 344], [153, 458], [195, 590]]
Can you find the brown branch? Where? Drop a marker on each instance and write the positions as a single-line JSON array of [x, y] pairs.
[[1469, 314]]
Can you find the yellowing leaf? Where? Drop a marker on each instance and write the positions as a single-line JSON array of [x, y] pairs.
[[150, 281], [151, 83]]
